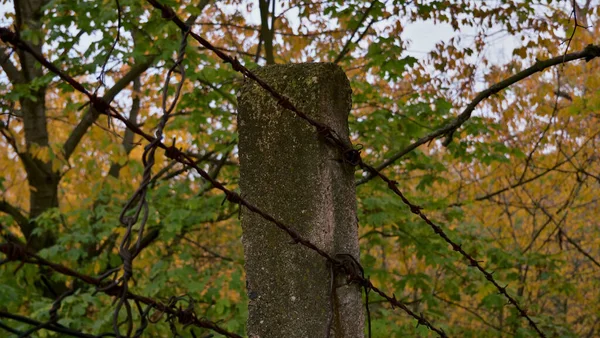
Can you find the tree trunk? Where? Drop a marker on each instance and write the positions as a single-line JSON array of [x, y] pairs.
[[266, 31], [43, 182]]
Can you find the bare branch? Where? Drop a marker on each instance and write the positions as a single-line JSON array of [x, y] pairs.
[[346, 49], [129, 136], [209, 251], [474, 313], [92, 114], [24, 156], [589, 53], [523, 181], [17, 252], [13, 74], [14, 212], [227, 96], [54, 327]]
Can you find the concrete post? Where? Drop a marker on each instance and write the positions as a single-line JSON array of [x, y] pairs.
[[291, 172]]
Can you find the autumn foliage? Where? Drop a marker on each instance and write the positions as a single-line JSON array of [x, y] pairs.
[[514, 184]]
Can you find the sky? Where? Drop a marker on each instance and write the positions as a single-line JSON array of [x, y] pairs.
[[423, 35]]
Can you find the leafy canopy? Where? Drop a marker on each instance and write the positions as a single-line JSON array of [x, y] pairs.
[[515, 186]]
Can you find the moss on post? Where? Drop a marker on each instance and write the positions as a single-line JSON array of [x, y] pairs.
[[291, 172]]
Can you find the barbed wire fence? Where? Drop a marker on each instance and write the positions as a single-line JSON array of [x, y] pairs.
[[138, 206]]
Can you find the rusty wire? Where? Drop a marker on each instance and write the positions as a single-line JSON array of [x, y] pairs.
[[137, 203], [53, 314], [590, 52], [349, 263], [54, 327], [102, 106], [20, 253], [173, 153]]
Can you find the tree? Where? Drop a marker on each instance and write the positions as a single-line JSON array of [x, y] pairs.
[[509, 175]]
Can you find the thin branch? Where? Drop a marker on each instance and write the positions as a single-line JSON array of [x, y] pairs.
[[588, 53], [533, 178], [14, 212], [236, 51], [127, 142], [13, 74], [346, 49], [209, 251], [54, 327], [474, 313], [227, 96], [544, 132], [563, 233], [17, 252], [512, 186], [92, 114]]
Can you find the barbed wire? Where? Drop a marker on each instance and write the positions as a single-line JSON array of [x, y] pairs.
[[127, 252], [53, 312], [352, 154], [351, 157], [54, 327], [18, 252], [174, 153]]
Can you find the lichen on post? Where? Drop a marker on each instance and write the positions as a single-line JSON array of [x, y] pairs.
[[291, 172]]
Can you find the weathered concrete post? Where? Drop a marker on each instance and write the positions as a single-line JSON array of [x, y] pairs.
[[289, 171]]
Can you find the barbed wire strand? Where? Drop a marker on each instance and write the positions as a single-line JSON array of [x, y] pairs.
[[100, 104], [588, 53], [65, 331], [173, 153], [126, 251], [19, 252]]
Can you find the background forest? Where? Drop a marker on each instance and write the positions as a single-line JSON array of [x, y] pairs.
[[515, 183]]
